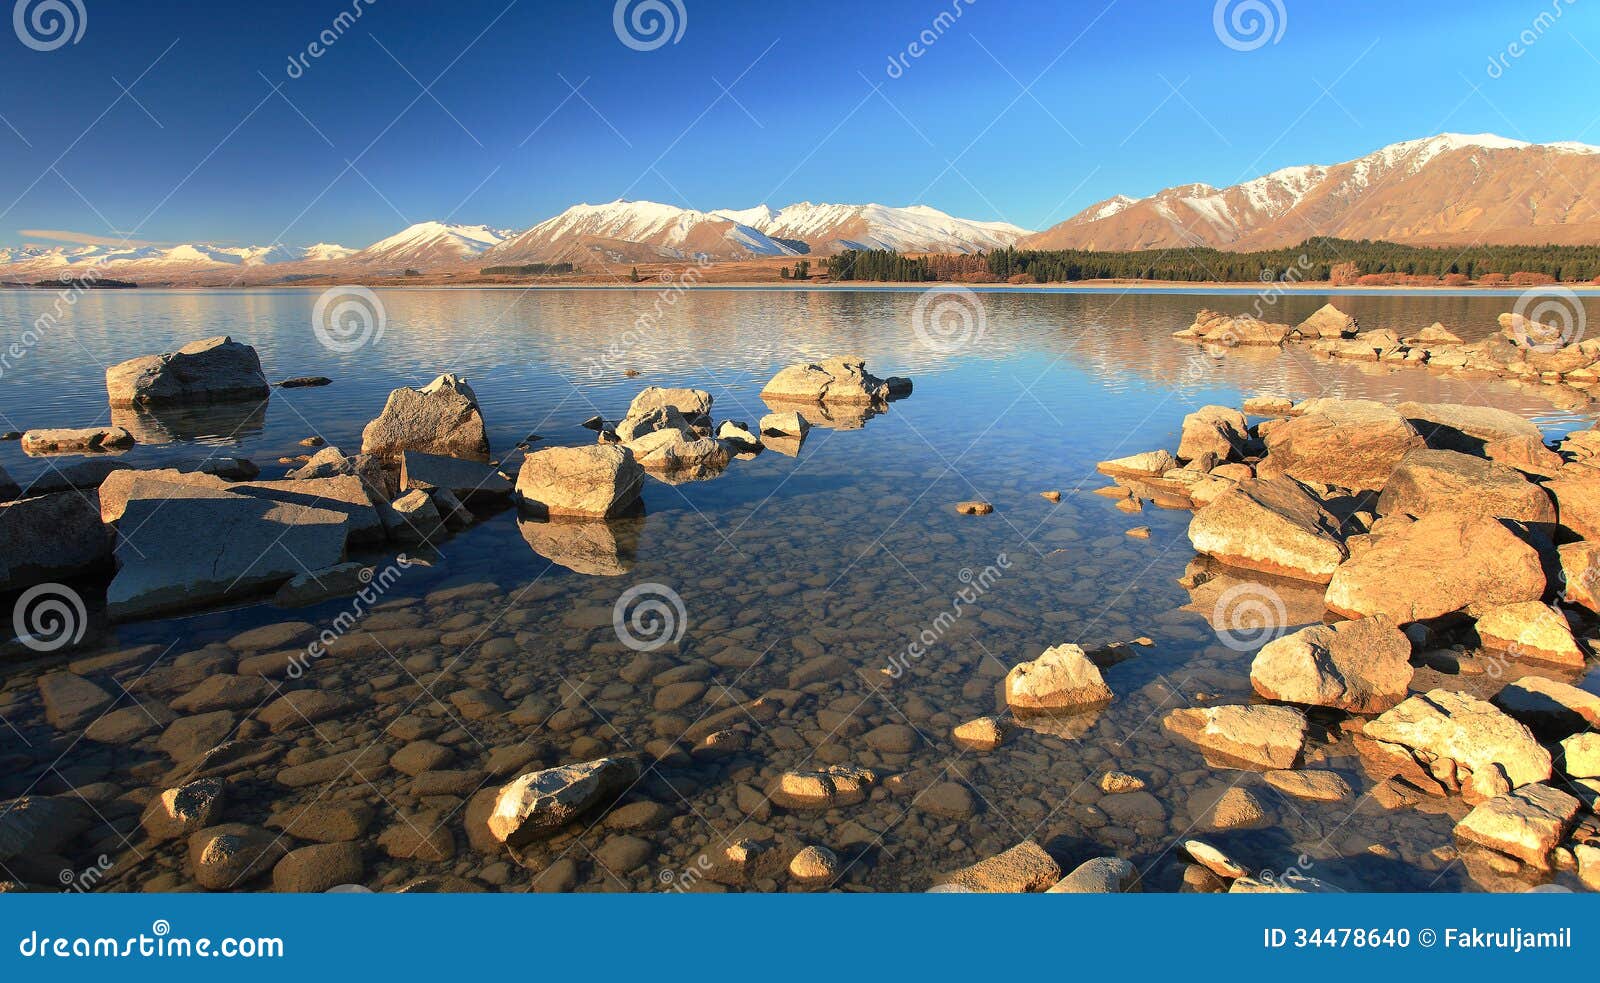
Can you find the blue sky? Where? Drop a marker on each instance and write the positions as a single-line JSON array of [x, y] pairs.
[[1024, 112]]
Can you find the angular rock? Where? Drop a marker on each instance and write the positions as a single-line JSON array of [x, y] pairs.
[[213, 370], [784, 425], [1327, 322], [1216, 430], [672, 451], [538, 804], [598, 481], [1227, 330], [693, 404], [1446, 481], [1276, 527], [1022, 869], [1361, 666], [632, 427], [1315, 786], [1530, 631], [1350, 443], [815, 865], [1581, 755], [1257, 737], [1149, 464], [440, 418], [1578, 504], [980, 734], [1458, 427], [186, 809], [226, 857], [1443, 562], [835, 785], [87, 440], [1062, 678], [420, 521], [70, 701], [1446, 742], [1527, 823], [829, 380], [51, 537], [463, 478], [1102, 875], [1553, 709], [738, 436]]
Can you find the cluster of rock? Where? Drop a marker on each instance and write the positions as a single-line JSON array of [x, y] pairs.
[[1430, 530], [1522, 348]]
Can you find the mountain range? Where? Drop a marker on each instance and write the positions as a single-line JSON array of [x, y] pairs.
[[1451, 189]]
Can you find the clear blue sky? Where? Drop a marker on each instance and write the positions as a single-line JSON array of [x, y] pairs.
[[1128, 98]]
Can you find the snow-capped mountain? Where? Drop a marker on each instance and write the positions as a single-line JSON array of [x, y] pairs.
[[32, 263], [1451, 189], [916, 229], [428, 244], [625, 231]]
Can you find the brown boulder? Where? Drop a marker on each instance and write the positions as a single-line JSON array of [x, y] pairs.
[[1361, 666], [1275, 527], [1351, 443], [1448, 481]]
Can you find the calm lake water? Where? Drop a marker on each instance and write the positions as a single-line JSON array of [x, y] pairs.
[[850, 548]]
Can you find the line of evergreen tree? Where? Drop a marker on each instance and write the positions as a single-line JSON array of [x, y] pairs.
[[1317, 259]]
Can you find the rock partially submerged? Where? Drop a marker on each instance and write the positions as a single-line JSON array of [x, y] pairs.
[[1063, 678], [51, 537], [693, 404], [597, 481], [1214, 328], [1446, 742], [213, 370], [538, 804], [1526, 823], [1361, 666], [440, 418], [1275, 527], [89, 440], [1530, 631], [1149, 464], [463, 478], [1327, 322], [1255, 736], [829, 380]]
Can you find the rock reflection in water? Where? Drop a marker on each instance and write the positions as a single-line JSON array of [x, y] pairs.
[[594, 548], [214, 421]]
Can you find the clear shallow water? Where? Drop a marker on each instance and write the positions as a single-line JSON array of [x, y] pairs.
[[851, 548]]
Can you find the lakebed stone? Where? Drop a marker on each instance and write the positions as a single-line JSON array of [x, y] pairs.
[[1362, 666], [1062, 678], [538, 804], [1254, 736]]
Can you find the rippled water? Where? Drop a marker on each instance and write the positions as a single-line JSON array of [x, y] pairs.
[[851, 548]]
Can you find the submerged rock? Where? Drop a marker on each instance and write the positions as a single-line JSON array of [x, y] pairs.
[[51, 537], [186, 809], [1063, 678], [82, 441], [440, 418], [1442, 563], [1361, 666], [1446, 742], [1275, 527], [538, 804], [228, 856], [835, 785], [787, 424], [464, 479], [597, 481], [1258, 737], [213, 370], [1021, 869]]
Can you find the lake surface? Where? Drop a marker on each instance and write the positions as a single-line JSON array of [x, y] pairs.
[[850, 548]]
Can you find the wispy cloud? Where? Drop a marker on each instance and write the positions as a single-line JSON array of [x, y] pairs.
[[82, 238]]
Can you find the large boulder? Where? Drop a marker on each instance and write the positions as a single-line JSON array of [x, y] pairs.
[[662, 419], [1578, 504], [681, 454], [1351, 443], [1275, 527], [1228, 330], [1446, 742], [1063, 678], [1580, 575], [246, 545], [1527, 823], [1327, 322], [440, 418], [344, 493], [1361, 666], [1552, 709], [51, 537], [214, 370], [1458, 427], [1447, 481], [828, 380], [1442, 563], [1215, 430], [597, 481], [1530, 631], [462, 478], [538, 804], [1254, 736], [693, 404]]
